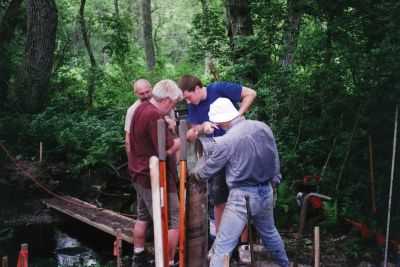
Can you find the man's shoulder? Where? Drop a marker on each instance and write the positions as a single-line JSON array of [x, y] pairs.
[[134, 106], [146, 107]]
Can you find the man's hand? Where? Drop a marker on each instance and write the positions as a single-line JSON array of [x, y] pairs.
[[195, 175], [192, 134], [171, 124], [275, 196], [209, 127]]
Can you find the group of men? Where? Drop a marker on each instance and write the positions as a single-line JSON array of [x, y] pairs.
[[244, 162]]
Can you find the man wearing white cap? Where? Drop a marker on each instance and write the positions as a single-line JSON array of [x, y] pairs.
[[249, 155]]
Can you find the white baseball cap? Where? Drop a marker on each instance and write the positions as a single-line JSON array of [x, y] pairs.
[[222, 110]]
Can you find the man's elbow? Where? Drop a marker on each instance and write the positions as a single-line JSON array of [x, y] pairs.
[[253, 94]]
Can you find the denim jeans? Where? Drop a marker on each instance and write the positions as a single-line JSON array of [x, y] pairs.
[[234, 219]]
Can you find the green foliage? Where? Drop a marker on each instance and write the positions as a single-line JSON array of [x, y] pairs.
[[84, 139], [6, 234], [209, 33], [286, 205]]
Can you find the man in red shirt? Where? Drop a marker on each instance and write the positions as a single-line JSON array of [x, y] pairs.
[[143, 145]]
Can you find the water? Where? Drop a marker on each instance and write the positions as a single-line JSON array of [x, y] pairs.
[[69, 243]]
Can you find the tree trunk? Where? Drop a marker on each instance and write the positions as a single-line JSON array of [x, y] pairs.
[[207, 54], [240, 26], [148, 35], [92, 78], [37, 62], [7, 28], [116, 8], [239, 18], [136, 17], [291, 35], [239, 23]]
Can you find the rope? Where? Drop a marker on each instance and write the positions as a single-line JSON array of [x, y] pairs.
[[391, 185], [29, 176]]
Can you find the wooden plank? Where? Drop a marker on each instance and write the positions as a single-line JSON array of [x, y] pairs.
[[102, 227], [110, 212]]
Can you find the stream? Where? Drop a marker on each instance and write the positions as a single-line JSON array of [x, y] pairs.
[[65, 243]]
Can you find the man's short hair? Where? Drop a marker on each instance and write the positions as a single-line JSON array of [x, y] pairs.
[[140, 83], [167, 88], [189, 83]]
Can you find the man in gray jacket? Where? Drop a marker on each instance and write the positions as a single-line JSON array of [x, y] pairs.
[[248, 153]]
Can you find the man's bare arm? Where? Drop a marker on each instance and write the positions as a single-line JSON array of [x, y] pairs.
[[174, 148], [248, 95], [127, 144]]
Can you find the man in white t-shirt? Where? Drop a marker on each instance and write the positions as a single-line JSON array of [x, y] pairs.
[[142, 89]]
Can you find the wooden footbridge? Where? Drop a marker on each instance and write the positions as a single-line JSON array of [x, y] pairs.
[[105, 220]]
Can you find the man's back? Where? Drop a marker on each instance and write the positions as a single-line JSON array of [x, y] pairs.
[[251, 153]]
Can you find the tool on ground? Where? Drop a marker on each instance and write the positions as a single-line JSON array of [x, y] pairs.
[[248, 209], [302, 222], [182, 192], [163, 186], [365, 232], [156, 201]]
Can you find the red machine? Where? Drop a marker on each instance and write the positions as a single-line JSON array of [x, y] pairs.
[[310, 185]]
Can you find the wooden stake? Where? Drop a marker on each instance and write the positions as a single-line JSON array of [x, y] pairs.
[[41, 152], [316, 247], [371, 173], [4, 261], [119, 245]]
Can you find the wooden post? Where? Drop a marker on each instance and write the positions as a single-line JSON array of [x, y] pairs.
[[316, 247], [226, 260], [4, 261], [182, 192], [163, 187], [119, 246], [41, 152], [157, 220]]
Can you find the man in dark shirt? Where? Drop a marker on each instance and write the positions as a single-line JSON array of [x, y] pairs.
[[144, 144]]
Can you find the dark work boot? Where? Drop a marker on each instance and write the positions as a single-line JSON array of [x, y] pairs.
[[141, 259]]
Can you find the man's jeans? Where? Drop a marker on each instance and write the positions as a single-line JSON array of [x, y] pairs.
[[234, 219]]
